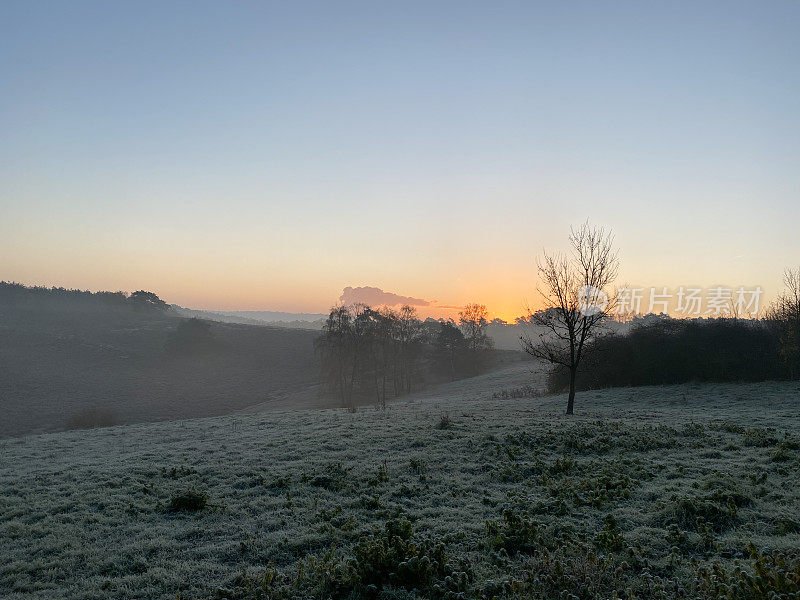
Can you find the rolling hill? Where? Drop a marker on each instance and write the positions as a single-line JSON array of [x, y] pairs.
[[74, 361]]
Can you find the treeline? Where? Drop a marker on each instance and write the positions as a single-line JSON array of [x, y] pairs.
[[671, 351], [373, 354], [668, 351], [18, 295]]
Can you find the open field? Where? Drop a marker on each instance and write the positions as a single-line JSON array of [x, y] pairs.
[[514, 497]]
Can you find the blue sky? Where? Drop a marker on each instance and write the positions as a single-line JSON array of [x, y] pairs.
[[265, 155]]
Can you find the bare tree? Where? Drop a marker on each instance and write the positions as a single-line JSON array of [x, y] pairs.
[[789, 299], [785, 311], [575, 292]]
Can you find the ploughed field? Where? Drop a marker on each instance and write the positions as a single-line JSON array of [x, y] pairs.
[[671, 492]]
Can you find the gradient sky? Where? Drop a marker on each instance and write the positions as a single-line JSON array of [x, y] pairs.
[[266, 155]]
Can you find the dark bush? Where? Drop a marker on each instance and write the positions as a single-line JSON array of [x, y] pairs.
[[514, 533], [773, 575], [189, 500], [696, 513], [444, 421], [387, 562], [785, 526], [578, 573], [610, 538]]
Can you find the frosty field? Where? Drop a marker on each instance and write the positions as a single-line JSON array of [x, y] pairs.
[[642, 490]]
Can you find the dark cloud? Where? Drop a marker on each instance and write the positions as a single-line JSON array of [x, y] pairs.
[[376, 296]]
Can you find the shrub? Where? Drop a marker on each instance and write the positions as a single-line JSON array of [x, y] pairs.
[[609, 538], [178, 472], [783, 453], [602, 484], [384, 562], [725, 492], [716, 510], [514, 533], [760, 438], [190, 337], [726, 426], [561, 465], [677, 538], [685, 512], [395, 557], [773, 575], [391, 556], [189, 500], [334, 478], [418, 466], [577, 573], [526, 391], [279, 483], [785, 526]]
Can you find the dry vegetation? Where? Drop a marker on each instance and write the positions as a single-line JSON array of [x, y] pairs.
[[657, 490]]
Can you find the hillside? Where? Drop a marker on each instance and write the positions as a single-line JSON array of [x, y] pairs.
[[72, 361], [257, 317], [513, 497]]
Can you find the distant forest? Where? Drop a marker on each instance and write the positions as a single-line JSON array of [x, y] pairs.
[[18, 295]]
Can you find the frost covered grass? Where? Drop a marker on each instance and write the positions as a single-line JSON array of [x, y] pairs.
[[647, 489]]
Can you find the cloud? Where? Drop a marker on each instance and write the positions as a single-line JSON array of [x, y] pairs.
[[373, 296]]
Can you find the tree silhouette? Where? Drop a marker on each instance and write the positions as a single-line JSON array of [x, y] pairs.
[[576, 300], [473, 320], [449, 348], [147, 301], [785, 312]]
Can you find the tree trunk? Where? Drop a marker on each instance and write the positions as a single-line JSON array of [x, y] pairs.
[[571, 399]]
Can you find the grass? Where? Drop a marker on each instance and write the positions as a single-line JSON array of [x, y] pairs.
[[511, 499]]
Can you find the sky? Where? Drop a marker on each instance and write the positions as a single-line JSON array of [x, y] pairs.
[[268, 155]]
